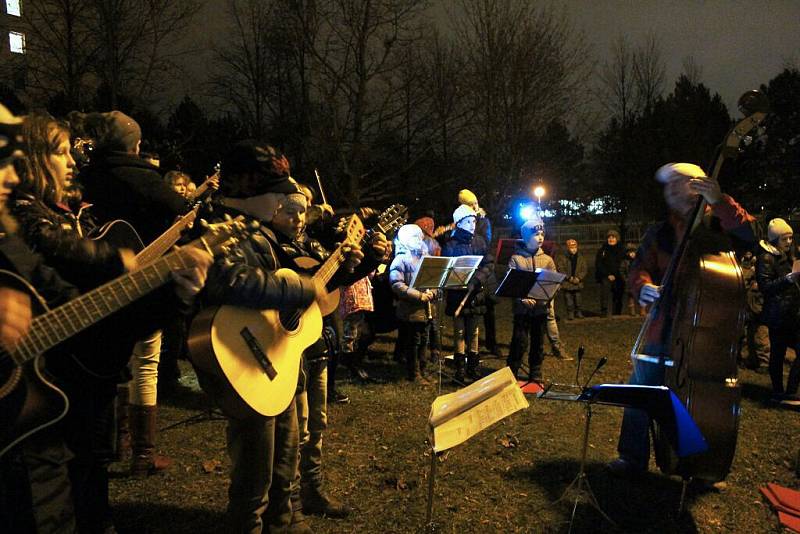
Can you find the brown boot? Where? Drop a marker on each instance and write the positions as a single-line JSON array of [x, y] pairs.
[[144, 460], [122, 447]]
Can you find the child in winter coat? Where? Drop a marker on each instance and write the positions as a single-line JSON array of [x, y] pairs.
[[530, 316], [572, 264], [412, 304]]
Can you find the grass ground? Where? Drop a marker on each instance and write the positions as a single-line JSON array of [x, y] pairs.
[[502, 480]]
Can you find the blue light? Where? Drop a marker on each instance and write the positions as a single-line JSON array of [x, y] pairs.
[[527, 211]]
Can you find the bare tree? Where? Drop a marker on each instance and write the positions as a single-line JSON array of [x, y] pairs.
[[355, 46], [527, 67], [649, 72], [61, 48], [618, 81], [244, 63], [692, 71], [633, 79], [137, 40]]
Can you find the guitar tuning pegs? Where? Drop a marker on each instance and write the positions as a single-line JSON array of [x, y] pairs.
[[227, 217], [204, 224]]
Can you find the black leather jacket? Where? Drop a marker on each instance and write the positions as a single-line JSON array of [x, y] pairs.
[[59, 235], [781, 297]]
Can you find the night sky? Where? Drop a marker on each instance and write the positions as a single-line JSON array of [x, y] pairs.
[[738, 44]]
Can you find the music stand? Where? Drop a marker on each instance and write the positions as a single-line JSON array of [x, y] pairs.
[[540, 284], [440, 273], [658, 401]]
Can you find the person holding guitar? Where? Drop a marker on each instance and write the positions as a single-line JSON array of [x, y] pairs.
[[289, 226], [724, 221], [54, 477], [263, 449]]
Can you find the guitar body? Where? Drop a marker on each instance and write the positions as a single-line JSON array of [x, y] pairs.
[[29, 402], [119, 234], [330, 303], [256, 352]]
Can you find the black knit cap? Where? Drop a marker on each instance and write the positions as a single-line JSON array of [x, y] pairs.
[[253, 168]]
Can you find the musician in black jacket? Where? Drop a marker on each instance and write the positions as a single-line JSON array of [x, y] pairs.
[[122, 185], [43, 459], [263, 450], [307, 493]]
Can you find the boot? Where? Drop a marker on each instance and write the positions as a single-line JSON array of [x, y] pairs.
[[144, 460], [472, 366], [122, 447], [354, 362], [458, 359], [315, 502]]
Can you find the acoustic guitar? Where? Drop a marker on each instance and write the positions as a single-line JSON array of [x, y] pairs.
[[256, 354], [389, 221], [29, 402]]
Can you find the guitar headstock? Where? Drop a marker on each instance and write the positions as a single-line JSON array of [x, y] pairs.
[[352, 230], [219, 237], [391, 219]]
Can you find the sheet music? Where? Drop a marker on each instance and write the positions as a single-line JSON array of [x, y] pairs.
[[458, 416], [436, 272], [461, 270], [547, 283]]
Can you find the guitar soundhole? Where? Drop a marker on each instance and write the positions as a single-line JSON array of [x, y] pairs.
[[290, 319]]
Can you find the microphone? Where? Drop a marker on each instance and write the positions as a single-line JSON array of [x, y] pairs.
[[597, 367], [581, 351]]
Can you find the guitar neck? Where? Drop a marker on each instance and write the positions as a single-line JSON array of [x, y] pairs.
[[53, 327], [165, 241]]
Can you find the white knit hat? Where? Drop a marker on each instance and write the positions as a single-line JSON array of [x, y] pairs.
[[777, 228], [462, 212], [410, 237], [530, 227], [673, 171]]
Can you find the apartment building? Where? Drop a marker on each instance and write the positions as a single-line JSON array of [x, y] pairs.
[[12, 45]]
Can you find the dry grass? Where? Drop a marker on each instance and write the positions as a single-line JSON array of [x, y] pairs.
[[377, 460]]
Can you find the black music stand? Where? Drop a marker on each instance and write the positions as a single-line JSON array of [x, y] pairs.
[[440, 273], [541, 284], [658, 401]]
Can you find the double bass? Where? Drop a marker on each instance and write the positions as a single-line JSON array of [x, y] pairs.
[[694, 328]]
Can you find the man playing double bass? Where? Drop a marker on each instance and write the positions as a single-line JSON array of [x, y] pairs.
[[725, 222]]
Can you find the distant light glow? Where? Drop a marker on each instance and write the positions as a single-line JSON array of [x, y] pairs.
[[527, 212], [539, 191]]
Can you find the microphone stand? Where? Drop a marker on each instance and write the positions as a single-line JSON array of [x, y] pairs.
[[580, 484]]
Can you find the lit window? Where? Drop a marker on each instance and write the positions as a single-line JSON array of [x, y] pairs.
[[12, 8], [16, 42]]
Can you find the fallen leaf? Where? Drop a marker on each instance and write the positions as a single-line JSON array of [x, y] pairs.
[[209, 466]]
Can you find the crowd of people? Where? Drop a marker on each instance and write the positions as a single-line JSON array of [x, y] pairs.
[[65, 183]]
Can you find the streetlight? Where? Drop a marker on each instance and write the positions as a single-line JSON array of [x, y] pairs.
[[539, 193]]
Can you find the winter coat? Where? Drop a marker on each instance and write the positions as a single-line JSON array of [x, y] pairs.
[[462, 243], [564, 265], [607, 261], [124, 186], [525, 260], [245, 276], [409, 306], [781, 297], [59, 235]]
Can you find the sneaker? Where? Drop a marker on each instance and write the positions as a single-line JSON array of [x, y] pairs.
[[563, 357], [315, 502], [790, 400], [339, 397], [622, 468]]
